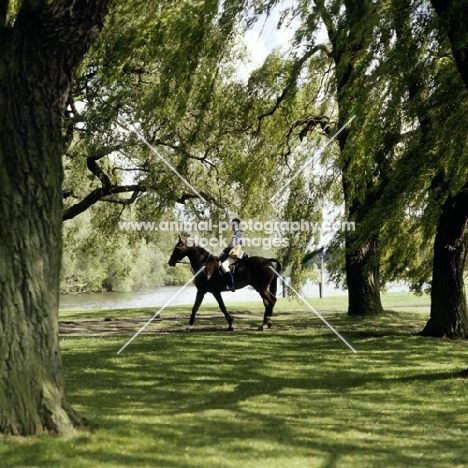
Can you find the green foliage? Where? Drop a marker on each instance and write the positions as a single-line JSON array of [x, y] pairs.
[[96, 259], [158, 67], [425, 103], [229, 139], [406, 150], [300, 207], [169, 69]]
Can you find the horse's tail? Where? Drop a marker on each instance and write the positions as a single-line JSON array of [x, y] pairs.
[[274, 284]]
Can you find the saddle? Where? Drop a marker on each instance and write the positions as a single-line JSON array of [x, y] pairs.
[[215, 265], [233, 265]]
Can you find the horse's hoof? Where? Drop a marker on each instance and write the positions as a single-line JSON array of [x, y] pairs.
[[189, 327], [269, 324], [230, 329], [260, 328]]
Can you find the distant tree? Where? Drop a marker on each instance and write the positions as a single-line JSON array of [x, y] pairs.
[[96, 258], [350, 29], [207, 121]]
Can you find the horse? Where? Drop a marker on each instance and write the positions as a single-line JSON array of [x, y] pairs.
[[253, 271]]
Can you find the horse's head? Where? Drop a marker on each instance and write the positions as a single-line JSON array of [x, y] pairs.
[[180, 251]]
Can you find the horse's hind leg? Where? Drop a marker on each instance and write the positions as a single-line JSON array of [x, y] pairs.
[[269, 300], [219, 299], [196, 306]]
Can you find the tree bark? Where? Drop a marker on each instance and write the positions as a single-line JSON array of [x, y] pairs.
[[39, 56], [449, 316], [363, 277]]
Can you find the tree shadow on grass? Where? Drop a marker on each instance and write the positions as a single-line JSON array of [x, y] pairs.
[[213, 400], [436, 376]]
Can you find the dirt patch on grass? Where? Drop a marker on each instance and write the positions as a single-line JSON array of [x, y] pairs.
[[178, 324], [389, 324]]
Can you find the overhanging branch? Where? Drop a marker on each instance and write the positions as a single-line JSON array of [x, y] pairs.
[[98, 195], [191, 196], [122, 201]]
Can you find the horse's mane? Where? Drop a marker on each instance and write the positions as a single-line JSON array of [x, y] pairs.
[[203, 251]]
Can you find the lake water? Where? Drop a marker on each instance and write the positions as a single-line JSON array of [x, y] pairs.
[[159, 297]]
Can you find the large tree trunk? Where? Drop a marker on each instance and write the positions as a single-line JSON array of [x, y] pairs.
[[39, 56], [362, 256], [448, 300], [363, 277]]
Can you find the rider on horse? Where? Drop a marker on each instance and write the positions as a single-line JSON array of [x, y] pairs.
[[226, 257]]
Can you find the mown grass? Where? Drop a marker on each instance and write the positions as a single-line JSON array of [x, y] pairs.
[[327, 304], [294, 396]]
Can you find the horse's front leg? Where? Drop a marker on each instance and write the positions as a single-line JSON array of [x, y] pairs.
[[219, 299], [196, 306]]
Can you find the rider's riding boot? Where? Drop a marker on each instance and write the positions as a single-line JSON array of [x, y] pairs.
[[230, 281]]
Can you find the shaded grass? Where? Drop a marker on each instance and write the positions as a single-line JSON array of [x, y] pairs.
[[290, 398]]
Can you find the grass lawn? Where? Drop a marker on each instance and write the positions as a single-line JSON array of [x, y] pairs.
[[391, 301], [293, 396]]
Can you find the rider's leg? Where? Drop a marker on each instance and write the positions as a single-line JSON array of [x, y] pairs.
[[228, 274]]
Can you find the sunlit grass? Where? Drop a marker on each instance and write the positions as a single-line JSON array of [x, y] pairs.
[[294, 396], [336, 304]]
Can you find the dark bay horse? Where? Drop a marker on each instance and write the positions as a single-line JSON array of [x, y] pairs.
[[253, 271]]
